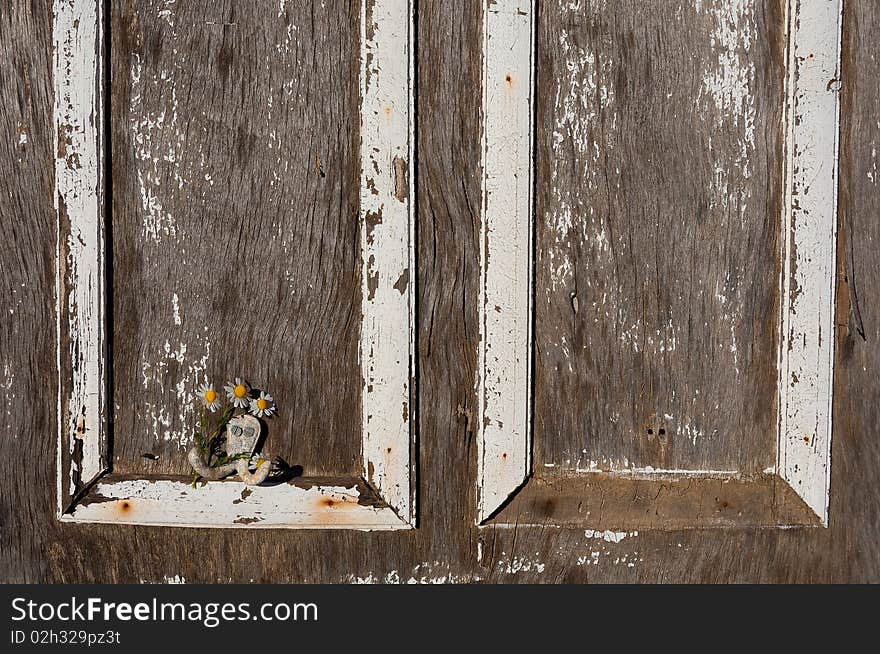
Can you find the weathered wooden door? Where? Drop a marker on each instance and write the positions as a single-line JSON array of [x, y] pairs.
[[544, 290]]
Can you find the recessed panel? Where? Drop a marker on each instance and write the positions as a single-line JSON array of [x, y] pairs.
[[659, 191], [236, 174]]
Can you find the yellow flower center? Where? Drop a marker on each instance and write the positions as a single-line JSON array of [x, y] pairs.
[[262, 404], [239, 391], [210, 396]]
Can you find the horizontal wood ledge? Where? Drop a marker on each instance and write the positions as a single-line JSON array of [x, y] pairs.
[[303, 503], [656, 501]]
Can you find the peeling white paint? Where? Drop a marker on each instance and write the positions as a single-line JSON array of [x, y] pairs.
[[505, 304], [517, 565], [149, 132], [7, 388], [175, 309], [610, 536], [388, 266], [435, 572], [171, 419], [582, 97], [872, 172], [806, 366], [175, 579], [81, 293], [727, 82], [230, 504]]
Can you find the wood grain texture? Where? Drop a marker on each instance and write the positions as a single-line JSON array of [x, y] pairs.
[[659, 196], [235, 223], [657, 502], [34, 547]]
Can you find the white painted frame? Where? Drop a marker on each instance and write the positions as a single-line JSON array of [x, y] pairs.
[[809, 228], [387, 341], [504, 441]]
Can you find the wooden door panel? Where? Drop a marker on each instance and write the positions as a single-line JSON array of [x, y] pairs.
[[644, 256], [235, 236], [657, 235], [261, 226]]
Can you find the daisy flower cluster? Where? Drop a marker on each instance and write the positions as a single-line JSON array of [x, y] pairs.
[[209, 436], [240, 396]]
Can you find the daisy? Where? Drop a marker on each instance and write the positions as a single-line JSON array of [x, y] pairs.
[[237, 393], [209, 397], [263, 406]]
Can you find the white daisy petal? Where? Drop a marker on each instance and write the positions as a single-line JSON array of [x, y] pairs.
[[262, 406], [240, 399], [206, 390]]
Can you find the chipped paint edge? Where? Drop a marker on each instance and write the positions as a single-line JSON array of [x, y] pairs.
[[809, 250], [172, 503], [812, 109], [387, 351], [78, 48], [505, 305], [388, 273]]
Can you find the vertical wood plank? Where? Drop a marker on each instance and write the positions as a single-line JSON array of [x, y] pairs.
[[504, 436], [387, 249], [810, 247], [81, 278]]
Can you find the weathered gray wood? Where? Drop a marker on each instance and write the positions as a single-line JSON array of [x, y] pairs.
[[35, 547], [659, 179], [658, 502], [235, 223]]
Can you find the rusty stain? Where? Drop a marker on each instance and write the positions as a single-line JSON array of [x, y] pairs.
[[80, 426]]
